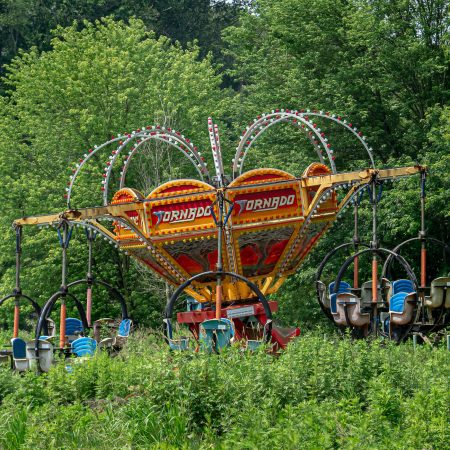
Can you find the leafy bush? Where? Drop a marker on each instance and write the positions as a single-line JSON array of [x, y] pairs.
[[322, 392]]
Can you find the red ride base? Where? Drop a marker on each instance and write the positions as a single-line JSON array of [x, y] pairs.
[[239, 315]]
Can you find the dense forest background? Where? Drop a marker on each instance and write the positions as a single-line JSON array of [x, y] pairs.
[[75, 72]]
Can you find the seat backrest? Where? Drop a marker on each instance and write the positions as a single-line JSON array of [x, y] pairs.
[[125, 327], [440, 292], [343, 287], [397, 302], [84, 346], [402, 286], [19, 348], [73, 326]]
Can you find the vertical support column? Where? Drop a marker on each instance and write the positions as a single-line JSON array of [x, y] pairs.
[[219, 255], [374, 246], [17, 288], [64, 239], [90, 236], [423, 252], [356, 242]]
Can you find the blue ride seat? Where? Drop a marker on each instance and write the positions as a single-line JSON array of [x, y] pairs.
[[216, 334], [180, 344], [19, 352], [405, 286], [397, 302], [73, 328], [193, 305], [343, 287], [125, 328], [84, 346]]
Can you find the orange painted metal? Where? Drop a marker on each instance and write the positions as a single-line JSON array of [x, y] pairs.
[[355, 272], [16, 320], [62, 325], [423, 267], [374, 279], [218, 301]]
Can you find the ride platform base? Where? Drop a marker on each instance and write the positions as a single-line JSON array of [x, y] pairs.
[[249, 321]]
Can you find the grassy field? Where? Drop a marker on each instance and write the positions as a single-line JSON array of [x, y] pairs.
[[324, 392]]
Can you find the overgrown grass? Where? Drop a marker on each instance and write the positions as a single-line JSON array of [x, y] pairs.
[[323, 392]]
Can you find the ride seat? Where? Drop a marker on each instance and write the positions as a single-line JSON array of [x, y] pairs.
[[19, 349], [322, 291], [343, 287], [122, 336], [73, 328], [406, 286], [401, 308], [45, 359], [84, 346], [356, 317], [216, 334], [439, 293], [366, 291], [180, 344]]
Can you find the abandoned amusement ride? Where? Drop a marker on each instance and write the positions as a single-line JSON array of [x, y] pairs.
[[226, 244]]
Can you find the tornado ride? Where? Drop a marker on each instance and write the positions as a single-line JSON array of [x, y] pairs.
[[230, 242]]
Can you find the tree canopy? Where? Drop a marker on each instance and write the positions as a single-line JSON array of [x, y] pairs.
[[91, 69]]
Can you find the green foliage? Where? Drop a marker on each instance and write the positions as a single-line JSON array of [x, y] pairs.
[[322, 392], [109, 77]]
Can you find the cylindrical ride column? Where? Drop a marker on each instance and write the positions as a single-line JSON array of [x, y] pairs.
[[374, 246], [90, 237], [62, 324], [219, 256], [355, 242], [423, 251], [17, 289], [64, 240], [16, 318]]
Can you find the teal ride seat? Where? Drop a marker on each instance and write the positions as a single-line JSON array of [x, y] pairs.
[[343, 287], [19, 352], [180, 344], [216, 334], [84, 346]]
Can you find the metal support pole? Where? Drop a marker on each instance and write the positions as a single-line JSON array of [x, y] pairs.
[[423, 253], [17, 289], [374, 245], [356, 241], [90, 237], [64, 240], [219, 256]]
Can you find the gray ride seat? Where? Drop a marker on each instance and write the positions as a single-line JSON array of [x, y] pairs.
[[439, 293], [45, 360], [355, 316]]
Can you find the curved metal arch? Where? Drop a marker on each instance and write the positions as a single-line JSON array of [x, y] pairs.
[[136, 148], [389, 259], [36, 307], [352, 129], [148, 133], [171, 303], [308, 218], [293, 122], [400, 258], [82, 163], [283, 117], [332, 253], [48, 308], [126, 138]]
